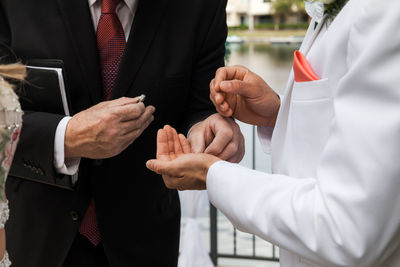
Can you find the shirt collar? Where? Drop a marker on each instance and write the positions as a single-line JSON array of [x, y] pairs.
[[92, 2], [130, 3]]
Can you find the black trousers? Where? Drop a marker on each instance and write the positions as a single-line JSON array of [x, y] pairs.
[[84, 254]]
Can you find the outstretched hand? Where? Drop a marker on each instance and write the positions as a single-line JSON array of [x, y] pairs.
[[240, 93], [179, 168]]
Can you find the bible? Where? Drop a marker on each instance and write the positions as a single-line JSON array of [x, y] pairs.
[[45, 80]]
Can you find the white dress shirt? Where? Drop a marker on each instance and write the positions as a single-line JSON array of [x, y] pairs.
[[126, 13]]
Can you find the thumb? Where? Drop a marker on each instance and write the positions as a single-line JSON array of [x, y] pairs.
[[156, 166], [236, 87], [196, 140]]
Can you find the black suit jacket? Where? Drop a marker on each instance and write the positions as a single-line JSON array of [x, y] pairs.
[[173, 51]]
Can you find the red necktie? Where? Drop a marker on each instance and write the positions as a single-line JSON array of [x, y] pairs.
[[111, 46], [110, 43]]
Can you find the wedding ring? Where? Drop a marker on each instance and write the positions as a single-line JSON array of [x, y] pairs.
[[142, 98]]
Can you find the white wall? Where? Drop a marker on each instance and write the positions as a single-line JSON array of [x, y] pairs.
[[236, 8]]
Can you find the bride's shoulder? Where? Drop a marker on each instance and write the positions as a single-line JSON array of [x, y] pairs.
[[10, 109]]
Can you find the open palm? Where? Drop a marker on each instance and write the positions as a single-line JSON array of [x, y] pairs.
[[170, 145], [180, 168]]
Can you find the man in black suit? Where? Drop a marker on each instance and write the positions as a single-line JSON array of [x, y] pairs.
[[171, 51]]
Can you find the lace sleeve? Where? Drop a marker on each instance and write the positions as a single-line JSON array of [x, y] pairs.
[[10, 128], [5, 262]]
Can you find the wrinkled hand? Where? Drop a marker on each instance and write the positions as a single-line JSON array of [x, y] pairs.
[[218, 136], [238, 92], [106, 129], [179, 168]]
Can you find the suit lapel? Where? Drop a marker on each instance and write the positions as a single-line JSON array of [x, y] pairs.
[[79, 24], [311, 35], [277, 144], [147, 19]]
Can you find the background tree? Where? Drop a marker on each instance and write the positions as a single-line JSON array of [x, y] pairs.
[[284, 8]]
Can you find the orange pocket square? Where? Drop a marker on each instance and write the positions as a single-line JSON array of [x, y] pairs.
[[303, 71]]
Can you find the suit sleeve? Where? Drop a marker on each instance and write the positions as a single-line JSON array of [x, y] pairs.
[[348, 214], [208, 60], [35, 151]]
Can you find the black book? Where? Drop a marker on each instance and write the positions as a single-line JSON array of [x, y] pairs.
[[45, 80]]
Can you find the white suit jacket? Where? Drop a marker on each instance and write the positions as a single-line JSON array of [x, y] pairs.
[[334, 196]]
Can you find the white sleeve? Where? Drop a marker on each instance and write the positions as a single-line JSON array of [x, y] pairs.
[[62, 165], [348, 213]]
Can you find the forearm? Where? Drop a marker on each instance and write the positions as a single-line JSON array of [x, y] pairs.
[[297, 215]]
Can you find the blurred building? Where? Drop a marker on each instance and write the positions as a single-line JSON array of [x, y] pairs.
[[257, 12], [249, 12]]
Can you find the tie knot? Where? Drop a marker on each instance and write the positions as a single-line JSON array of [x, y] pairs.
[[109, 6]]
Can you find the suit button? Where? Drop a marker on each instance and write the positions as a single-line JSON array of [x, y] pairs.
[[98, 162], [74, 216]]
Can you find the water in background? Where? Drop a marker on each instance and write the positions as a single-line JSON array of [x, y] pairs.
[[273, 63]]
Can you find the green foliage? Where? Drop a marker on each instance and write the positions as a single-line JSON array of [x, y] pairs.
[[240, 27], [333, 9], [281, 26], [282, 7], [227, 52]]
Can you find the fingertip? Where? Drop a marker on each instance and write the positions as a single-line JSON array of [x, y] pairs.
[[227, 113], [151, 108], [219, 98], [224, 107], [149, 164], [212, 84], [161, 136]]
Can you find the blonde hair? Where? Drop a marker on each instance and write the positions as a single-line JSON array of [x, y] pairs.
[[14, 71]]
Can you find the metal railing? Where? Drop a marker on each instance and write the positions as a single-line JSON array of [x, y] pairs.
[[214, 253]]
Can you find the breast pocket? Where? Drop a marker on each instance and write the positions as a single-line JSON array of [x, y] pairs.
[[309, 123]]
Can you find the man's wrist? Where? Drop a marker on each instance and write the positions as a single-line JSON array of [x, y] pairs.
[[210, 160], [63, 164], [70, 144], [277, 105]]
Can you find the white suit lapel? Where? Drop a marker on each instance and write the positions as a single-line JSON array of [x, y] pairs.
[[281, 124]]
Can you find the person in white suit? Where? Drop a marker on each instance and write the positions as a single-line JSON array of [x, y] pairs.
[[334, 196]]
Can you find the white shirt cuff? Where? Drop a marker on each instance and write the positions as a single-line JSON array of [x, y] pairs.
[[68, 166], [265, 136]]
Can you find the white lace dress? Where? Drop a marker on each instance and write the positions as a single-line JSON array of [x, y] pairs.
[[10, 128]]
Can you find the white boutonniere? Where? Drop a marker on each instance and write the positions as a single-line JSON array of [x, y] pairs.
[[316, 9]]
